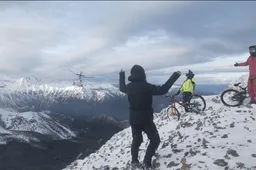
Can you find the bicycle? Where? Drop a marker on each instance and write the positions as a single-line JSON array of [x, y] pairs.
[[238, 97], [192, 106]]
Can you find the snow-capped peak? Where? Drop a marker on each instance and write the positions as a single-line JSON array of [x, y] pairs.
[[29, 81], [220, 137], [23, 91]]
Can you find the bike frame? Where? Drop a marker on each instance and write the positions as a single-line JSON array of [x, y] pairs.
[[174, 100], [181, 103], [243, 90]]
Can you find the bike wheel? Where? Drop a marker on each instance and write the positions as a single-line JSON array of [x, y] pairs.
[[197, 103], [231, 98], [173, 112]]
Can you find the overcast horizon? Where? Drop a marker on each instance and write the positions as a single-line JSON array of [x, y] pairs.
[[47, 39]]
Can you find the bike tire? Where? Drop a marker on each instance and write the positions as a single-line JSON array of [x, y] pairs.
[[169, 114], [202, 100], [225, 103]]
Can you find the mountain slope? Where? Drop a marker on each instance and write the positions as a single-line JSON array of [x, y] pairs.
[[105, 119], [48, 154], [14, 125], [48, 140], [219, 138]]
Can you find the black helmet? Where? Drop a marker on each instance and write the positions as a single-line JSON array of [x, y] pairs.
[[190, 74], [252, 50]]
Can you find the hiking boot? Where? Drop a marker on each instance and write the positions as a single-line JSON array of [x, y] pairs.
[[252, 102], [147, 165], [136, 165]]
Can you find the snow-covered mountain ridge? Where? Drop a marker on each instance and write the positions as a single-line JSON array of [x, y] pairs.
[[13, 125], [14, 92], [219, 138]]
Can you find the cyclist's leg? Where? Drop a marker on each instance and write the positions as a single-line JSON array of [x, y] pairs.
[[250, 90], [254, 90], [187, 95], [183, 97]]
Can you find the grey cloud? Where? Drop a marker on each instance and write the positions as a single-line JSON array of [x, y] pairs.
[[206, 29], [230, 24]]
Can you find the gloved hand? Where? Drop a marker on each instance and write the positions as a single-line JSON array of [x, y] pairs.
[[178, 72], [122, 73], [236, 64]]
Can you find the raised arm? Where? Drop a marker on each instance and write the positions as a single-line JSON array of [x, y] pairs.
[[122, 85], [161, 90], [246, 63]]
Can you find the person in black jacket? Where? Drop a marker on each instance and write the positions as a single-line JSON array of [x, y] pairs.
[[140, 95]]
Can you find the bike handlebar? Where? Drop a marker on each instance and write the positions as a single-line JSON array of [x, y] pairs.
[[237, 84], [172, 96]]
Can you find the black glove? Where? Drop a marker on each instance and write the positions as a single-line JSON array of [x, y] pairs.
[[122, 73], [236, 64], [178, 72]]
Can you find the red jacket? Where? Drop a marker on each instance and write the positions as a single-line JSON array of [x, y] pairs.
[[251, 61]]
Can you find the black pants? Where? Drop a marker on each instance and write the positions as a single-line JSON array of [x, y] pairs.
[[186, 97], [152, 134]]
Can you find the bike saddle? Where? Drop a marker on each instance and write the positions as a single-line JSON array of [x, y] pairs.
[[244, 88], [237, 84]]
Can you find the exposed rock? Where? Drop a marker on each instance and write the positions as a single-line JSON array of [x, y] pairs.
[[172, 164], [204, 142], [232, 152], [224, 136], [177, 150], [199, 125], [240, 165], [220, 162], [165, 145], [155, 164], [168, 156], [232, 125]]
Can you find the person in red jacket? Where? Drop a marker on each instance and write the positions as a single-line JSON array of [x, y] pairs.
[[251, 62]]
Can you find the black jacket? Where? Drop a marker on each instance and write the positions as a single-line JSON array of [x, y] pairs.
[[140, 94]]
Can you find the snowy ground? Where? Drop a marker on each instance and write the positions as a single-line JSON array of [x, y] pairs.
[[219, 138]]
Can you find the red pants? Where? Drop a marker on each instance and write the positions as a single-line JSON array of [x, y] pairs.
[[252, 89]]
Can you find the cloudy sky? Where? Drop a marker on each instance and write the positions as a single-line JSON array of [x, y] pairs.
[[46, 39]]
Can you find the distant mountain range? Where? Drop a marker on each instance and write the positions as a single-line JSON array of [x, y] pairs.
[[59, 122], [32, 94]]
